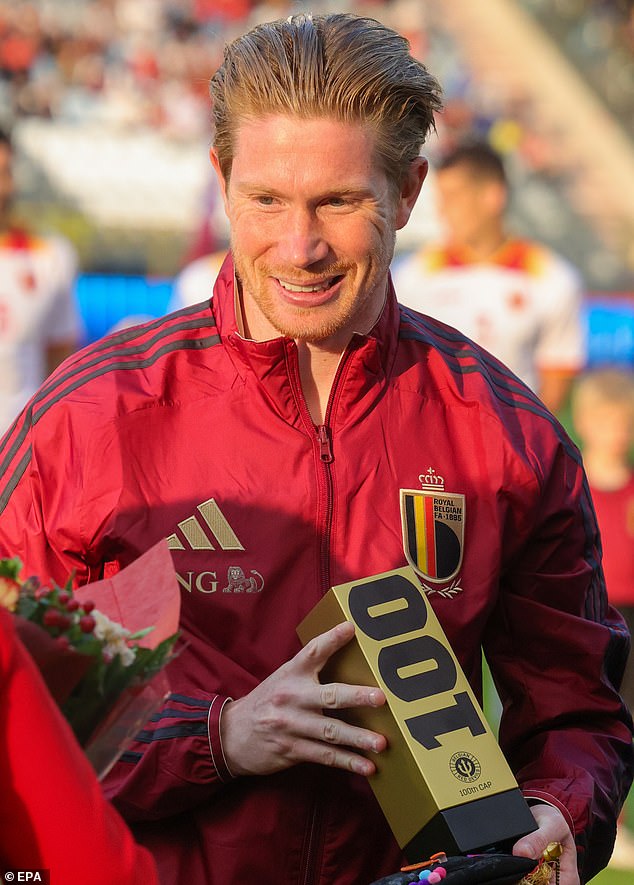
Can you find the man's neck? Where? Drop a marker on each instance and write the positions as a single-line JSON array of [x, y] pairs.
[[317, 369], [318, 361], [317, 365], [486, 242], [6, 222]]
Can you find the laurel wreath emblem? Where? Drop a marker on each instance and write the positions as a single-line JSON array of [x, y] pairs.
[[446, 592]]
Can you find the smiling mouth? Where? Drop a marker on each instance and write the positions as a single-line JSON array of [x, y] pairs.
[[322, 286]]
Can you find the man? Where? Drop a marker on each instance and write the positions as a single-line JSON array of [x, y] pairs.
[[269, 436], [39, 322], [515, 297]]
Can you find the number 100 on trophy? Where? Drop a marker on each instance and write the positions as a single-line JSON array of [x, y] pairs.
[[443, 782]]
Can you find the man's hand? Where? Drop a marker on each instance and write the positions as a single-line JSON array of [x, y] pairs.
[[284, 720], [552, 828]]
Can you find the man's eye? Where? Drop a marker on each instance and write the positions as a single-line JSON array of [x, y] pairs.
[[336, 201], [265, 200]]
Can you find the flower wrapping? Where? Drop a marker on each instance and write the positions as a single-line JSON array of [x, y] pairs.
[[101, 649]]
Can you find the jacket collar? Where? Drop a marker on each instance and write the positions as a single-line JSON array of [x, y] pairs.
[[368, 358]]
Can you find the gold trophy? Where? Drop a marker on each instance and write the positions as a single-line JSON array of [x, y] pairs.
[[443, 782]]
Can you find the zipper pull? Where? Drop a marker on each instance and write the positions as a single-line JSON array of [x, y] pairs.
[[325, 449]]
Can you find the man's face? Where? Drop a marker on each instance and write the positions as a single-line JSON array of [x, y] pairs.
[[608, 427], [312, 221], [6, 178], [467, 205]]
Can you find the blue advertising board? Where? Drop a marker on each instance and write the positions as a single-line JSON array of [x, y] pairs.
[[107, 302]]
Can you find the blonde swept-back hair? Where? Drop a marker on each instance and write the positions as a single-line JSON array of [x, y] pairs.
[[351, 68]]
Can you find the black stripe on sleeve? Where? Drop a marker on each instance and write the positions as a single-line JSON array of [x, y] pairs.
[[173, 731]]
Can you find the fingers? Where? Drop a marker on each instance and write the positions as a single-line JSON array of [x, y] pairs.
[[321, 648], [332, 731], [315, 737], [552, 828], [265, 737], [284, 721], [335, 696], [333, 757], [339, 696]]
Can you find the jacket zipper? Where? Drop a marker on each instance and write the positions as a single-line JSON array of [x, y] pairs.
[[311, 844], [325, 449], [326, 457], [324, 438], [324, 441]]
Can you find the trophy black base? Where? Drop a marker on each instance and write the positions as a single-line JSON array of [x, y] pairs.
[[496, 821]]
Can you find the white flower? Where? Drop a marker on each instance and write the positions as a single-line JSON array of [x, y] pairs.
[[115, 636]]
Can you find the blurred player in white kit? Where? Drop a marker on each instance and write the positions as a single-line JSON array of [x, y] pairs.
[[39, 320]]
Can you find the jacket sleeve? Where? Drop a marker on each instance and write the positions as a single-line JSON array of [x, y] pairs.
[[176, 762], [49, 791], [39, 493], [557, 651]]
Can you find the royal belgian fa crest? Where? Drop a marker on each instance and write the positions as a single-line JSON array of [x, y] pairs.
[[433, 528]]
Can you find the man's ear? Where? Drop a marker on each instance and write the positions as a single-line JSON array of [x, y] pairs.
[[410, 189], [215, 162], [494, 197]]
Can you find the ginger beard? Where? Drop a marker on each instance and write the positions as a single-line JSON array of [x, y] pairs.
[[352, 306]]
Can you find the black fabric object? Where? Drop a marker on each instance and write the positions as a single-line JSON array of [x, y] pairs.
[[480, 869]]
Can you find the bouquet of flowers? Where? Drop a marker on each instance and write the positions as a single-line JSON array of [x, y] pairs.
[[98, 656]]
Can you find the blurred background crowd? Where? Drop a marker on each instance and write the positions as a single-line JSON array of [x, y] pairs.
[[106, 102]]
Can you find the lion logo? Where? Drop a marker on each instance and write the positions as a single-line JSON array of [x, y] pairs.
[[237, 581]]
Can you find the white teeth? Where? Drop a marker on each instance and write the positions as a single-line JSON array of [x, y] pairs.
[[290, 287]]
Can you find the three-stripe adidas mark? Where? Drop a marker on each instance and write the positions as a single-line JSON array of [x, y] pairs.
[[196, 532]]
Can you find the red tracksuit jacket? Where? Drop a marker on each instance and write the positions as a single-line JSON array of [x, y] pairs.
[[181, 429]]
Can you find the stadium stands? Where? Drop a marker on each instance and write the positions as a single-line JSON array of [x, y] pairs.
[[108, 100]]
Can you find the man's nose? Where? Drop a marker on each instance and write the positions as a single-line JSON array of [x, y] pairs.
[[303, 241]]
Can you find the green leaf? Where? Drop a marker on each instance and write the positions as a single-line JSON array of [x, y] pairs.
[[26, 607], [140, 633], [10, 568]]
